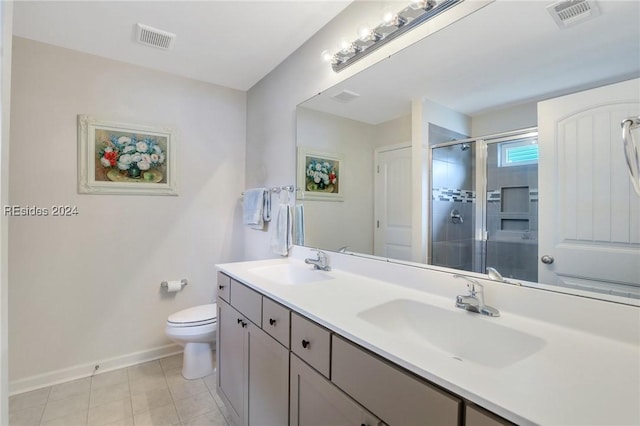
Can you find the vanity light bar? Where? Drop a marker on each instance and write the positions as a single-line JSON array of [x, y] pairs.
[[393, 25]]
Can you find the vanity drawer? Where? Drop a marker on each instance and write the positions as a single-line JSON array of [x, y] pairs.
[[276, 320], [311, 342], [395, 396], [476, 416], [224, 285], [247, 301]]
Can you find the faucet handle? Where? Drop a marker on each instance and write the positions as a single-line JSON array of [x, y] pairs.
[[320, 253], [473, 285]]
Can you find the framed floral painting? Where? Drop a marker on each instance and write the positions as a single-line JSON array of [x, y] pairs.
[[121, 158], [320, 175]]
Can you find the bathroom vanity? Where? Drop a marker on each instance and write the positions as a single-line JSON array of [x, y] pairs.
[[370, 343]]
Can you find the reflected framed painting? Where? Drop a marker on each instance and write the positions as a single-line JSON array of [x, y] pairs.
[[126, 159], [320, 175]]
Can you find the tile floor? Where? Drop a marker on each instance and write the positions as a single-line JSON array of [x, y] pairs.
[[153, 393]]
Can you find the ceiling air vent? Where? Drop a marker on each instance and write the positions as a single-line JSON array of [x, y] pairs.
[[570, 12], [154, 37], [345, 96]]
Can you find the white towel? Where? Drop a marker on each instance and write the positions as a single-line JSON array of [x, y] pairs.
[[253, 207], [281, 240], [299, 224]]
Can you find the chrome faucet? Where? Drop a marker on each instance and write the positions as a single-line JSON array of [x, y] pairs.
[[474, 301], [321, 262]]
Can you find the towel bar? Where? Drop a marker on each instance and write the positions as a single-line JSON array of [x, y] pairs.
[[278, 189]]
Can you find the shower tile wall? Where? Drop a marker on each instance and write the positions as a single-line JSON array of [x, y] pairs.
[[453, 174], [512, 218]]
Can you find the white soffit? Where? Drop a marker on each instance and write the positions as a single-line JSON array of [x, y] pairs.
[[229, 43]]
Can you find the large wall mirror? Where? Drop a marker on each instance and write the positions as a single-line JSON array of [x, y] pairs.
[[493, 143]]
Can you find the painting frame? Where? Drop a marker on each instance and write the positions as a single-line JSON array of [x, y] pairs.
[[101, 172], [308, 189]]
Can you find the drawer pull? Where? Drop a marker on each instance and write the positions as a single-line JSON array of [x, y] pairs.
[[220, 286], [272, 321], [239, 320], [244, 324], [305, 344]]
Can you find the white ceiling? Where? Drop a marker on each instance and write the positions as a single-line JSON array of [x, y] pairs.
[[507, 53], [230, 43]]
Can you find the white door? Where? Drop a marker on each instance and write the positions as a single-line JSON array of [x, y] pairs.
[[392, 193], [589, 212]]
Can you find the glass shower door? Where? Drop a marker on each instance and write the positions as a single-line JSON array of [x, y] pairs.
[[453, 196]]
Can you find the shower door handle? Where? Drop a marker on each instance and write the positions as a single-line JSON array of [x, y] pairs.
[[547, 259]]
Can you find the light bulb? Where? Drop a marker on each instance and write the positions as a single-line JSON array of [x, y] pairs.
[[364, 32], [326, 56], [389, 17], [417, 4]]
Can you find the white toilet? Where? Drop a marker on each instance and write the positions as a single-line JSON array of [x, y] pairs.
[[195, 329]]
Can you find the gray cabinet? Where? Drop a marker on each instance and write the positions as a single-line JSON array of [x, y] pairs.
[[267, 380], [395, 396], [276, 320], [224, 286], [253, 368], [311, 342], [315, 401], [476, 416], [231, 344]]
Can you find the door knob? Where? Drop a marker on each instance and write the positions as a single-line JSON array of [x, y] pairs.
[[547, 259]]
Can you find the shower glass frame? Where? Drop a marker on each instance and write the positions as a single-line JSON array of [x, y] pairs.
[[480, 187]]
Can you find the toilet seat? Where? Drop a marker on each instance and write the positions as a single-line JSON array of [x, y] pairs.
[[194, 317]]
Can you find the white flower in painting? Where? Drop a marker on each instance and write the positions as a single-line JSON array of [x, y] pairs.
[[154, 158], [157, 149], [326, 165], [318, 167], [142, 147], [146, 158], [124, 140], [128, 149], [125, 159], [136, 157], [161, 159], [105, 162], [143, 165], [123, 166], [108, 149]]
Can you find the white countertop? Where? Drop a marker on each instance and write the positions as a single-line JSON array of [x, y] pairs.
[[577, 378]]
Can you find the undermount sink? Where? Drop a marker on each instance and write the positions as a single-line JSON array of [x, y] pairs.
[[290, 274], [462, 335]]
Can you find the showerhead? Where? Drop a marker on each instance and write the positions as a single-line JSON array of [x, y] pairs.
[[465, 146]]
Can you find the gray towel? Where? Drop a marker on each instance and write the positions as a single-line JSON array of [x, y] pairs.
[[281, 240], [299, 224], [253, 207]]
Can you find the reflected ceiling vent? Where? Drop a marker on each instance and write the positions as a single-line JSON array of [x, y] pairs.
[[570, 12], [154, 37], [345, 96]]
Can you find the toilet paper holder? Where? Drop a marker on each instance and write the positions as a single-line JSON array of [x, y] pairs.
[[165, 284]]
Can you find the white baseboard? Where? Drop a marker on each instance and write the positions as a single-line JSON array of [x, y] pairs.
[[86, 370]]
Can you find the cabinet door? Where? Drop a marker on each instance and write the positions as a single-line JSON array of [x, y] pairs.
[[476, 416], [397, 397], [317, 402], [268, 392], [231, 359]]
